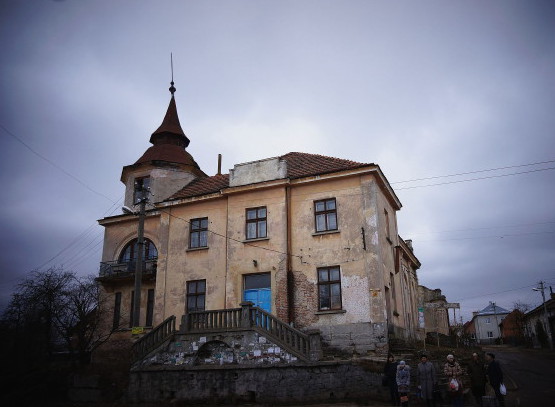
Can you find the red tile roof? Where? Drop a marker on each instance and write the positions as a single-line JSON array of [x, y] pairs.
[[299, 165], [168, 152], [203, 186]]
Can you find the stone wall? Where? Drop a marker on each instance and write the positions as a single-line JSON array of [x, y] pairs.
[[228, 348], [359, 338], [273, 384]]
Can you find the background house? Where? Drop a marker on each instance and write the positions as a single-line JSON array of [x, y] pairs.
[[486, 323], [534, 323]]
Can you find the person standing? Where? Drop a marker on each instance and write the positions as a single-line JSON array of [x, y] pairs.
[[426, 378], [453, 371], [390, 372], [403, 382], [477, 374], [495, 377]]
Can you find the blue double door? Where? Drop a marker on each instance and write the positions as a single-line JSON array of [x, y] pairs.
[[258, 290]]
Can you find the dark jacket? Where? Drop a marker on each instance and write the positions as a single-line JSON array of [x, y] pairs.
[[390, 370], [477, 373], [495, 375]]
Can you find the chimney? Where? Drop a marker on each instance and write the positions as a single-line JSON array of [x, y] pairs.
[[409, 244], [219, 164]]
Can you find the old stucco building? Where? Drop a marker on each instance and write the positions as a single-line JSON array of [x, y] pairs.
[[311, 239]]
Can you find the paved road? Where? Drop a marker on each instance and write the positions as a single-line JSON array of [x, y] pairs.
[[529, 376]]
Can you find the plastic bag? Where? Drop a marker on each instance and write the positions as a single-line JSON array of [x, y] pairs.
[[454, 385], [503, 389]]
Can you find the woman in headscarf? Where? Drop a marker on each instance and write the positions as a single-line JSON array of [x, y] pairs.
[[403, 382], [453, 371]]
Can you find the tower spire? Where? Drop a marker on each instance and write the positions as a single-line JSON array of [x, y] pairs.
[[172, 88]]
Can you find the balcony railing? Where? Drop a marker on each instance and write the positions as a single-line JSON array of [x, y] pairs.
[[125, 269], [154, 338]]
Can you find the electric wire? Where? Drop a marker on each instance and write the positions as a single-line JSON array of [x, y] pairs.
[[55, 165], [474, 172], [476, 179]]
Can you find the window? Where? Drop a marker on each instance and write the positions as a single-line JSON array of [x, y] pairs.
[[129, 253], [117, 311], [488, 321], [386, 224], [150, 307], [490, 334], [132, 308], [141, 187], [329, 288], [325, 212], [256, 223], [196, 295], [198, 236]]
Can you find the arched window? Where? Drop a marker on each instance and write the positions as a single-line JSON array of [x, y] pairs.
[[129, 253]]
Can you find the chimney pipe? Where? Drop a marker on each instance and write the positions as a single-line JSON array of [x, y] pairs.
[[219, 164]]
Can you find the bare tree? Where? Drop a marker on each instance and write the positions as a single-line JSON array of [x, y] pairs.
[[58, 310]]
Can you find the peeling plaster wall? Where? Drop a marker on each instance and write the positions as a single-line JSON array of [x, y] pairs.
[[257, 171], [179, 264], [164, 182], [268, 253]]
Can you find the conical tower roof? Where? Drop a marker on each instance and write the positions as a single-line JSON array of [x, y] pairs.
[[170, 131]]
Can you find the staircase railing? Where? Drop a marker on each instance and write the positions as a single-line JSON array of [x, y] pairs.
[[304, 346], [153, 339]]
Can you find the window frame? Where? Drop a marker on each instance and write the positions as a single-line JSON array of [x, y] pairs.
[[149, 307], [328, 285], [198, 231], [196, 294], [150, 251], [258, 221], [117, 311], [325, 213]]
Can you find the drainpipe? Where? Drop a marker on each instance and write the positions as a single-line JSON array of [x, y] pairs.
[[290, 280]]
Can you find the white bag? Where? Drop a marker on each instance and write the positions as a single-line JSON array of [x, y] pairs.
[[503, 389], [454, 385]]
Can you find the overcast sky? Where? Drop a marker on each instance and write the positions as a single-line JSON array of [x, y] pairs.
[[421, 88]]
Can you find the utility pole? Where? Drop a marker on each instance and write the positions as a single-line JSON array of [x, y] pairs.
[[142, 193], [546, 317], [498, 331]]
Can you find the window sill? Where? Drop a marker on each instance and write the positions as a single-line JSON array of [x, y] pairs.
[[331, 311], [196, 249], [259, 239], [326, 232]]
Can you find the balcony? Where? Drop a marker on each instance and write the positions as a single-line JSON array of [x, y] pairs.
[[112, 271]]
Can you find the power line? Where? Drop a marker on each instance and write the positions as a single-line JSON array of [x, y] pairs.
[[485, 228], [474, 172], [487, 237], [476, 179], [55, 165]]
